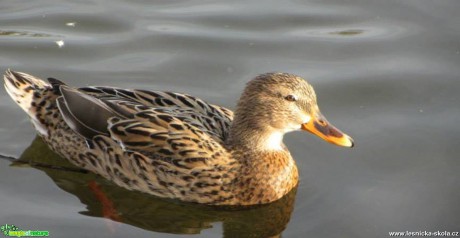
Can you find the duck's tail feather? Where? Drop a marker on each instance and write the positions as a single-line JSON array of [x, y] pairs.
[[21, 88], [32, 94]]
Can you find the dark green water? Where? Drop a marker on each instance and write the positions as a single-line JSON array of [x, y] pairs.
[[386, 72]]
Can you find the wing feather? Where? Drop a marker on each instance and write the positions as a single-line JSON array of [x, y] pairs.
[[183, 130], [195, 111]]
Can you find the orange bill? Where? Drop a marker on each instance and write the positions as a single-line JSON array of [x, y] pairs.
[[319, 126]]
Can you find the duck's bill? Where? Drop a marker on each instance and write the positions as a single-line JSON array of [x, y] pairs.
[[319, 126]]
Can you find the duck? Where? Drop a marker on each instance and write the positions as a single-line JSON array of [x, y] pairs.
[[176, 146]]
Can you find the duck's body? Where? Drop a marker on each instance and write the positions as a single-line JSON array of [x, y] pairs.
[[169, 144]]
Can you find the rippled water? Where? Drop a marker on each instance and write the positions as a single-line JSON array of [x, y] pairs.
[[386, 72]]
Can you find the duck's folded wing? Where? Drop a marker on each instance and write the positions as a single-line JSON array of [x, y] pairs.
[[170, 132], [185, 107]]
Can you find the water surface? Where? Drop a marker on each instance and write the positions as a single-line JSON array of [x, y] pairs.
[[386, 72]]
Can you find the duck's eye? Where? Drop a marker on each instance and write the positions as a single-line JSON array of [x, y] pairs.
[[291, 98]]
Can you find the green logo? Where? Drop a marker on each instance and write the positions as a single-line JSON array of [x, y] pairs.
[[14, 231]]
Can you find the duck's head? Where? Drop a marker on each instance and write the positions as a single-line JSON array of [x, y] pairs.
[[273, 104]]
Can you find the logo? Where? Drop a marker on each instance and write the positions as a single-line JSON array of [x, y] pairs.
[[14, 231]]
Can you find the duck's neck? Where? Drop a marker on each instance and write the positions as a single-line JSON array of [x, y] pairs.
[[268, 171], [255, 137]]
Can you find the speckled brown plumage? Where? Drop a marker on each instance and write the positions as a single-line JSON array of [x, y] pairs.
[[174, 145]]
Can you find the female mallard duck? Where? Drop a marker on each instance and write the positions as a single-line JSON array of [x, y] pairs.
[[174, 145]]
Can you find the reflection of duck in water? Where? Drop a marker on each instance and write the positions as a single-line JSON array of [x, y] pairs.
[[177, 146], [104, 199]]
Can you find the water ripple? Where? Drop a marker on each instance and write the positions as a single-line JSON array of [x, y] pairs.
[[8, 33]]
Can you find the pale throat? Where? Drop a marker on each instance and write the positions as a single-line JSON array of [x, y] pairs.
[[273, 141]]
